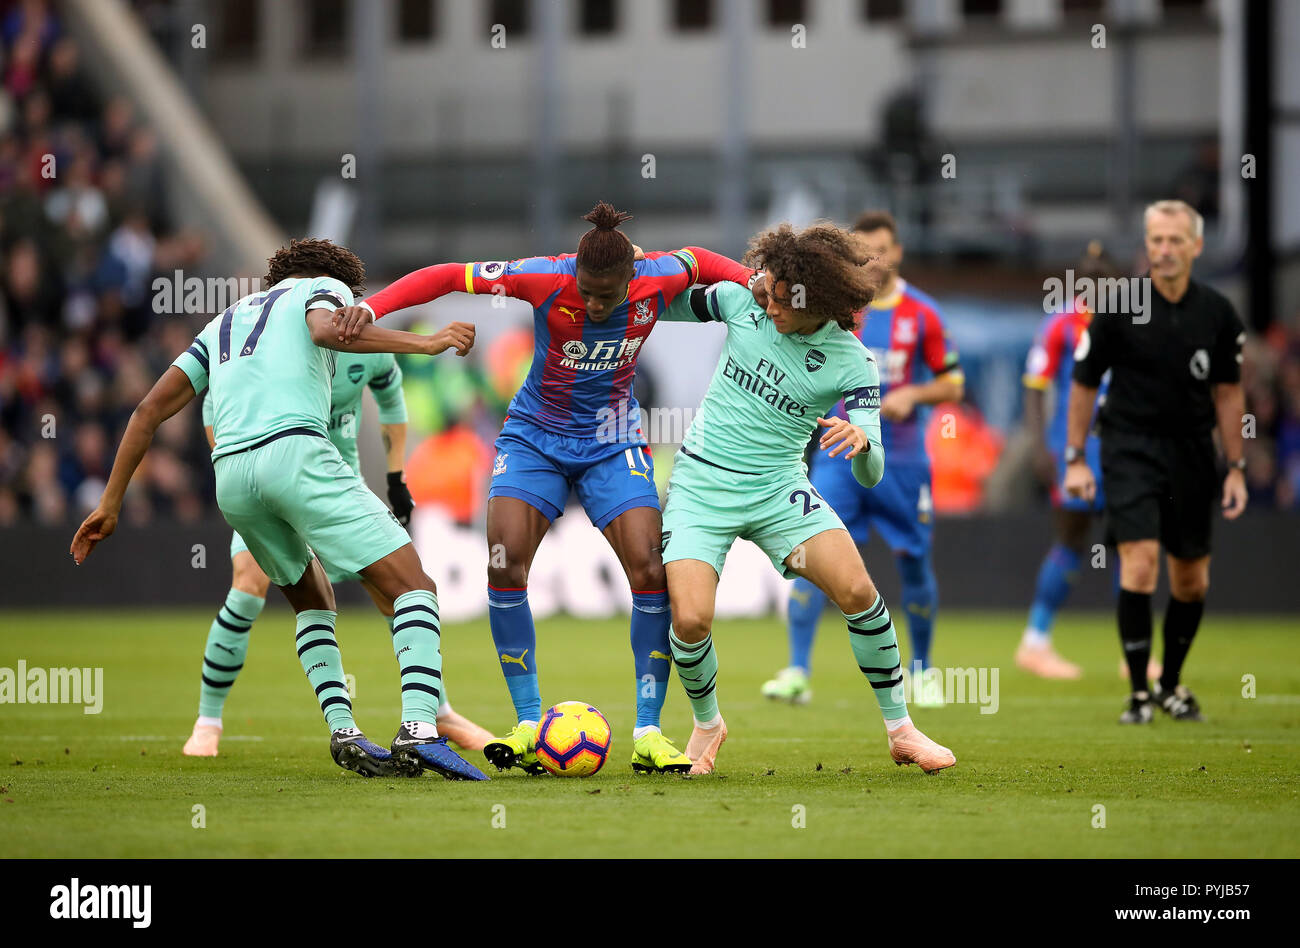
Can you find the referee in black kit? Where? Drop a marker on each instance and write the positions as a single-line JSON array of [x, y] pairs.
[[1175, 375]]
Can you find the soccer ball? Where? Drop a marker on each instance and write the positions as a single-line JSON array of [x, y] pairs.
[[573, 739]]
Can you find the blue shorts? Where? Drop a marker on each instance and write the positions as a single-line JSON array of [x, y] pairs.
[[541, 468], [1091, 451], [899, 507]]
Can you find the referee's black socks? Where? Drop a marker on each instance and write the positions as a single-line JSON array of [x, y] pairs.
[[1135, 635], [1182, 619]]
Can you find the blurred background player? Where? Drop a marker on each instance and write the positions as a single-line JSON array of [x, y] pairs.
[[1175, 377], [1047, 372], [740, 472], [282, 484], [227, 643], [919, 368], [592, 313]]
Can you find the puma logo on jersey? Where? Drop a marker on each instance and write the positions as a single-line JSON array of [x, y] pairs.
[[655, 653], [511, 660], [572, 314]]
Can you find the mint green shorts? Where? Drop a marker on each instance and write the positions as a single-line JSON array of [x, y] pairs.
[[297, 495], [333, 573], [709, 509]]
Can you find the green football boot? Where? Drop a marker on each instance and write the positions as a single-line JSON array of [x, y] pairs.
[[653, 753], [790, 684], [516, 749]]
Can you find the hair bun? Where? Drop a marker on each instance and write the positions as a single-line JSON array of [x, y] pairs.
[[605, 217]]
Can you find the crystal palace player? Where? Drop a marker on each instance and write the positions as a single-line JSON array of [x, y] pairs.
[[903, 329], [593, 312], [740, 472], [1050, 363]]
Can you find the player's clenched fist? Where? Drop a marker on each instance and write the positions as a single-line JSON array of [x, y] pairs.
[[458, 336], [1079, 481], [848, 437], [350, 320]]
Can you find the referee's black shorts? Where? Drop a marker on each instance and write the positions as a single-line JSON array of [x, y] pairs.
[[1160, 488]]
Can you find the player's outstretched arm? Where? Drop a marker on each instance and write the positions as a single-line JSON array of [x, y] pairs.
[[717, 268], [419, 286], [169, 395], [370, 338], [530, 284]]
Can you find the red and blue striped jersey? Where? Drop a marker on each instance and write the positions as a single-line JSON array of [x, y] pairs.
[[1051, 362], [906, 335], [582, 369]]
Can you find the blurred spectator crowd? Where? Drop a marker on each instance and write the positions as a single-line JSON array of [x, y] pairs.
[[1271, 378], [83, 232]]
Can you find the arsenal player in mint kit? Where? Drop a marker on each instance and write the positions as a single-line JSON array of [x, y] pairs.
[[1175, 376]]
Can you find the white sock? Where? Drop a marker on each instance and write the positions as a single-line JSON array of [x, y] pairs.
[[641, 732], [709, 725], [895, 725], [421, 730], [210, 722], [444, 709], [1036, 638], [529, 723]]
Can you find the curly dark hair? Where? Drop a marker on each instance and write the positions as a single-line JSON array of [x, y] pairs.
[[604, 248], [314, 257], [837, 273]]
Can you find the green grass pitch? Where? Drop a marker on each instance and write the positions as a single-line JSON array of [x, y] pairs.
[[1027, 783]]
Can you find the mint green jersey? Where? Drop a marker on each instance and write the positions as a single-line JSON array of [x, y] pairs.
[[352, 373], [769, 389], [263, 372]]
